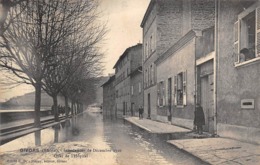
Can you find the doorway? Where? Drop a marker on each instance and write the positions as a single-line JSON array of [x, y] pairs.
[[124, 108], [169, 99], [132, 109], [207, 102], [149, 106]]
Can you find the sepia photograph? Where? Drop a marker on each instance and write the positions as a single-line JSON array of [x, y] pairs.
[[129, 82]]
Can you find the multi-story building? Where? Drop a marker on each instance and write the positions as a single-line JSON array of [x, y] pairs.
[[237, 68], [161, 28], [205, 65], [167, 23], [136, 87], [176, 67], [109, 97], [127, 63]]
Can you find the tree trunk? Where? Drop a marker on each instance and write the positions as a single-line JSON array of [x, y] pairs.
[[37, 105], [72, 108], [77, 109], [66, 106], [55, 107], [37, 117]]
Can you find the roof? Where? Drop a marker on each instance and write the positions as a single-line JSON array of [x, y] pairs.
[[112, 78], [149, 9], [125, 53]]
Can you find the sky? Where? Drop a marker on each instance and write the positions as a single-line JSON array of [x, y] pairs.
[[123, 18], [123, 21]]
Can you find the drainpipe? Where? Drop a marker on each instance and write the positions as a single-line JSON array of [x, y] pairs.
[[216, 59]]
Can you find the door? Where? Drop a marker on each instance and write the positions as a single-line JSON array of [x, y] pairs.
[[207, 102], [169, 99], [149, 106], [132, 109], [124, 110]]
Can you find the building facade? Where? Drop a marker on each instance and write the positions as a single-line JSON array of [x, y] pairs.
[[237, 66], [109, 97], [136, 78], [126, 64], [207, 66], [173, 23], [161, 28]]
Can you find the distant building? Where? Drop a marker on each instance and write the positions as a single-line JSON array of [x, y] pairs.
[[136, 88], [109, 97], [127, 63], [99, 90]]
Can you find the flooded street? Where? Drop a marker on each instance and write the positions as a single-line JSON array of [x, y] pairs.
[[107, 141]]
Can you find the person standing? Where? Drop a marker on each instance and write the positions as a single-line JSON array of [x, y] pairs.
[[199, 119], [141, 111]]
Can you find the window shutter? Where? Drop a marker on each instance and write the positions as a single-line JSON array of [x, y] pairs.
[[175, 90], [236, 40], [258, 32], [185, 88], [165, 94], [158, 94]]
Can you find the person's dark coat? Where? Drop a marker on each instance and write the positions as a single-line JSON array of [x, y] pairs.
[[199, 116]]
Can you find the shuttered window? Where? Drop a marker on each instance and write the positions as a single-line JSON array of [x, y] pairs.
[[258, 32], [180, 89], [236, 41], [175, 90], [247, 34], [184, 88], [161, 93]]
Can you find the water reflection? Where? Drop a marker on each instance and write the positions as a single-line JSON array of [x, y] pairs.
[[37, 137], [136, 146]]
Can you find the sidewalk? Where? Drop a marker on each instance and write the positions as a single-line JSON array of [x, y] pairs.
[[211, 150], [156, 127]]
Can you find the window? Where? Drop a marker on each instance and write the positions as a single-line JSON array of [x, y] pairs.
[[145, 47], [161, 92], [139, 87], [180, 88], [132, 90], [152, 74], [146, 50], [247, 34], [151, 44], [149, 76], [116, 93], [145, 78]]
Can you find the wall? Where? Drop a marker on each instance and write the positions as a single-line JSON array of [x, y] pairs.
[[132, 58], [169, 24], [235, 83], [182, 60], [124, 95], [137, 97], [136, 57], [202, 14], [109, 99]]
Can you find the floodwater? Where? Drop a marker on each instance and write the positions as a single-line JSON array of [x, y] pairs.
[[132, 144]]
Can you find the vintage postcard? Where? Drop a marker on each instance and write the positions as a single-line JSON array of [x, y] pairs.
[[123, 82]]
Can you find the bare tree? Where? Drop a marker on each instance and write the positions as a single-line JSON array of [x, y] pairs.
[[5, 7], [77, 53], [30, 42]]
